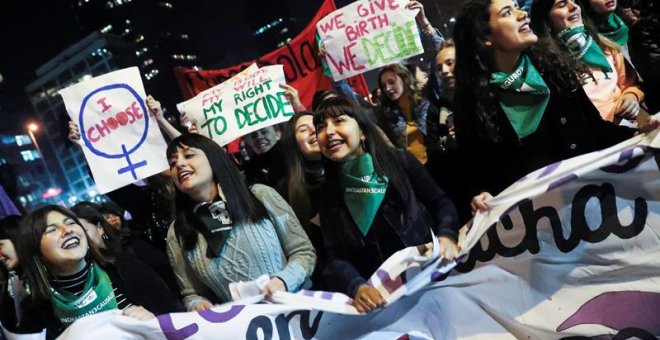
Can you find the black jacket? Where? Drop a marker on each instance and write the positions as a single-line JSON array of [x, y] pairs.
[[644, 47], [570, 126], [267, 169], [353, 257]]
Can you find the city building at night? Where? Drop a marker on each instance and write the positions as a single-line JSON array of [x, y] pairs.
[[156, 30], [24, 175]]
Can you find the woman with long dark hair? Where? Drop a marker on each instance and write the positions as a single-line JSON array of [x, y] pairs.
[[71, 279], [519, 106], [226, 231], [376, 200], [611, 83], [16, 313]]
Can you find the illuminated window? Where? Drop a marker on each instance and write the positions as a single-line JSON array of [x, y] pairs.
[[22, 140], [29, 155]]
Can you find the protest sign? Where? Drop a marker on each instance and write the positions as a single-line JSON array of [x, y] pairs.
[[368, 34], [120, 140], [569, 251], [302, 66], [251, 100]]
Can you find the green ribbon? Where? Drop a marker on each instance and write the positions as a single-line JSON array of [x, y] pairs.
[[582, 46], [614, 29], [363, 190], [97, 296], [523, 95]]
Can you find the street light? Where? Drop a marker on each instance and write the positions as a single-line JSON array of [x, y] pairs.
[[33, 127]]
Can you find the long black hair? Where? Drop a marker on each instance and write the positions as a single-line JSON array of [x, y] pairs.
[[297, 185], [388, 162], [8, 231], [92, 213], [475, 102], [243, 206], [29, 249]]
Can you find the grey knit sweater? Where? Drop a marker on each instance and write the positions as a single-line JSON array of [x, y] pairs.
[[252, 250]]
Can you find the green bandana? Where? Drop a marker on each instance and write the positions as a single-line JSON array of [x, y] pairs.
[[97, 296], [582, 46], [614, 29], [523, 95], [363, 190]]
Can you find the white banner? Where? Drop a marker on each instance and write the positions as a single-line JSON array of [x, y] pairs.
[[368, 34], [251, 100], [576, 253], [120, 140]]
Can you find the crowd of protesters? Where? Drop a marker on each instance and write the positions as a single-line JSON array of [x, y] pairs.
[[323, 200]]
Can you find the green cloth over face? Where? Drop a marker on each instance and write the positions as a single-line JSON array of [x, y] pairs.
[[582, 46], [523, 96], [363, 190], [614, 29], [97, 296]]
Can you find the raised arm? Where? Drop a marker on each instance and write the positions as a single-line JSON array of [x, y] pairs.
[[156, 110]]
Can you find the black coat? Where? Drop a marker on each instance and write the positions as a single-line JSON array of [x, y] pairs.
[[353, 257], [31, 318], [644, 47], [570, 126]]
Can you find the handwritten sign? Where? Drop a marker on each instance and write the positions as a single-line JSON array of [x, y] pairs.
[[251, 100], [121, 142], [368, 34]]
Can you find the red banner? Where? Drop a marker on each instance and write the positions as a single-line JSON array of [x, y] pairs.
[[302, 66]]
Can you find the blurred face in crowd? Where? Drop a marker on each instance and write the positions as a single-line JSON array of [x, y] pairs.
[[261, 141], [603, 6], [509, 27], [63, 244], [8, 256], [306, 138], [565, 14], [393, 85], [94, 232], [114, 220], [191, 171], [446, 60], [340, 138]]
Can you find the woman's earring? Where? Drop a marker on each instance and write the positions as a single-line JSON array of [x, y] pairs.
[[105, 237]]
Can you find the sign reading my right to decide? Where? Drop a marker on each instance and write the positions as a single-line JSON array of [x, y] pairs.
[[368, 34]]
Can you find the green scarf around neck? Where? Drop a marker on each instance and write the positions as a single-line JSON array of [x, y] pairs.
[[97, 296], [523, 96], [582, 46], [614, 29], [363, 190]]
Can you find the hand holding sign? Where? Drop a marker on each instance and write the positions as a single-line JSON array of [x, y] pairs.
[[115, 129], [248, 102], [368, 34]]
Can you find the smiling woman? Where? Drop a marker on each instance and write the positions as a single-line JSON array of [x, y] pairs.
[[70, 278], [227, 232], [376, 201], [519, 104]]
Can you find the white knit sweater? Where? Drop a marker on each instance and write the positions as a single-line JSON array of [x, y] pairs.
[[281, 250]]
